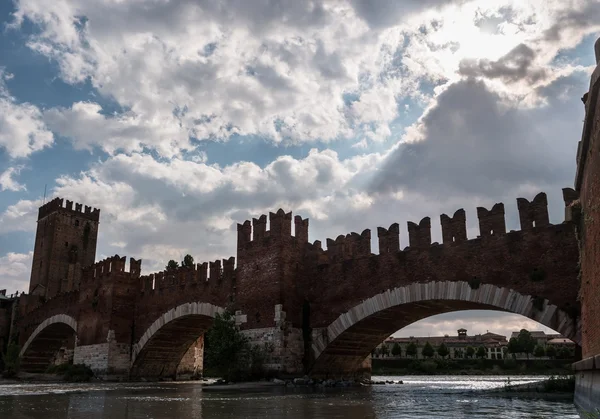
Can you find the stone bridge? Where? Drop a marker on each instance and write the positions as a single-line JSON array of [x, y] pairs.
[[315, 311]]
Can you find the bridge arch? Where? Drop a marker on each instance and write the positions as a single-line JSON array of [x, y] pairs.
[[164, 343], [343, 346], [46, 340]]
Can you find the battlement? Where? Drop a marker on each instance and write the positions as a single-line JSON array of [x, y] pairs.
[[532, 214], [112, 265], [349, 246], [205, 273], [280, 224], [56, 204]]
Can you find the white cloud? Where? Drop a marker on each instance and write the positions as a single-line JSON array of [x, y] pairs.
[[88, 127], [14, 271], [279, 71], [21, 216], [22, 130], [7, 183]]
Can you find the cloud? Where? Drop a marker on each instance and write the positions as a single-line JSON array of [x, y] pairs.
[[517, 65], [22, 130], [475, 321], [577, 18], [471, 144], [385, 13], [15, 270], [21, 216], [7, 183], [87, 127]]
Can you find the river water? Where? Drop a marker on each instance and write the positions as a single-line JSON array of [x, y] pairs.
[[418, 397]]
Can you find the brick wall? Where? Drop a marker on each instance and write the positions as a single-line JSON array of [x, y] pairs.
[[588, 183]]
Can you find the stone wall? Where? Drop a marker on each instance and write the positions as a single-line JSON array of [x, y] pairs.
[[283, 345], [192, 363], [105, 359]]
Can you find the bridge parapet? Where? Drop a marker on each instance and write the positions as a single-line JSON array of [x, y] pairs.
[[254, 233], [206, 275], [112, 265], [534, 260]]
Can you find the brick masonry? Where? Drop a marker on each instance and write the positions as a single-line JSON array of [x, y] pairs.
[[285, 289], [282, 344], [587, 211]]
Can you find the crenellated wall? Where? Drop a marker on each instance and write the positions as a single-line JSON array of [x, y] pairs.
[[285, 289], [539, 260]]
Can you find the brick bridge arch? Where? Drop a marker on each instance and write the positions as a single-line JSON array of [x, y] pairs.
[[346, 342], [163, 345], [46, 340]]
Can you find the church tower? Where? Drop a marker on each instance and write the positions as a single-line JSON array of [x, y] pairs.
[[65, 242]]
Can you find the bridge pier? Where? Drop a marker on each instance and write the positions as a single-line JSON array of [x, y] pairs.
[[107, 360], [282, 343], [192, 363]]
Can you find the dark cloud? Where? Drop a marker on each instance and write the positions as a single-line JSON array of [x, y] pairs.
[[576, 19], [384, 13], [516, 65], [474, 146]]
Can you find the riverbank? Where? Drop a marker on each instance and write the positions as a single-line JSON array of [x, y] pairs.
[[475, 367]]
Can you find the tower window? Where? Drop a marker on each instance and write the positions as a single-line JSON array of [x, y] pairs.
[[76, 223], [66, 244]]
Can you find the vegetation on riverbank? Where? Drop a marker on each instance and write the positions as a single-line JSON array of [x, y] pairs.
[[74, 373], [229, 354], [470, 367]]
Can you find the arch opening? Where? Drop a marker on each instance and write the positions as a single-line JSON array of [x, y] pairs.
[[343, 347], [172, 347], [52, 343]]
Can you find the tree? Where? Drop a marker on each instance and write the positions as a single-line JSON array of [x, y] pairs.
[[526, 342], [188, 261], [513, 346], [470, 351], [396, 349], [411, 349], [442, 350], [428, 350], [172, 265], [564, 353], [228, 353], [551, 351], [481, 352], [384, 350], [539, 351]]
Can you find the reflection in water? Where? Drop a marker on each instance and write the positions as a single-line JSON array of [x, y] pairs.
[[419, 397]]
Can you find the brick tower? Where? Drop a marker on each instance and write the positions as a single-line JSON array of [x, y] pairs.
[[65, 242]]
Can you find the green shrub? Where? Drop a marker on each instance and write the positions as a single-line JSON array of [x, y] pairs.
[[229, 354], [428, 366], [75, 373]]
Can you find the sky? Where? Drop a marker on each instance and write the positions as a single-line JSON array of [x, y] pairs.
[[181, 118]]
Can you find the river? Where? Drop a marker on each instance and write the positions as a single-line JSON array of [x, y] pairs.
[[418, 397]]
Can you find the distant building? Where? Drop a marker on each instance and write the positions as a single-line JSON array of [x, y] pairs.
[[543, 339], [457, 345]]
